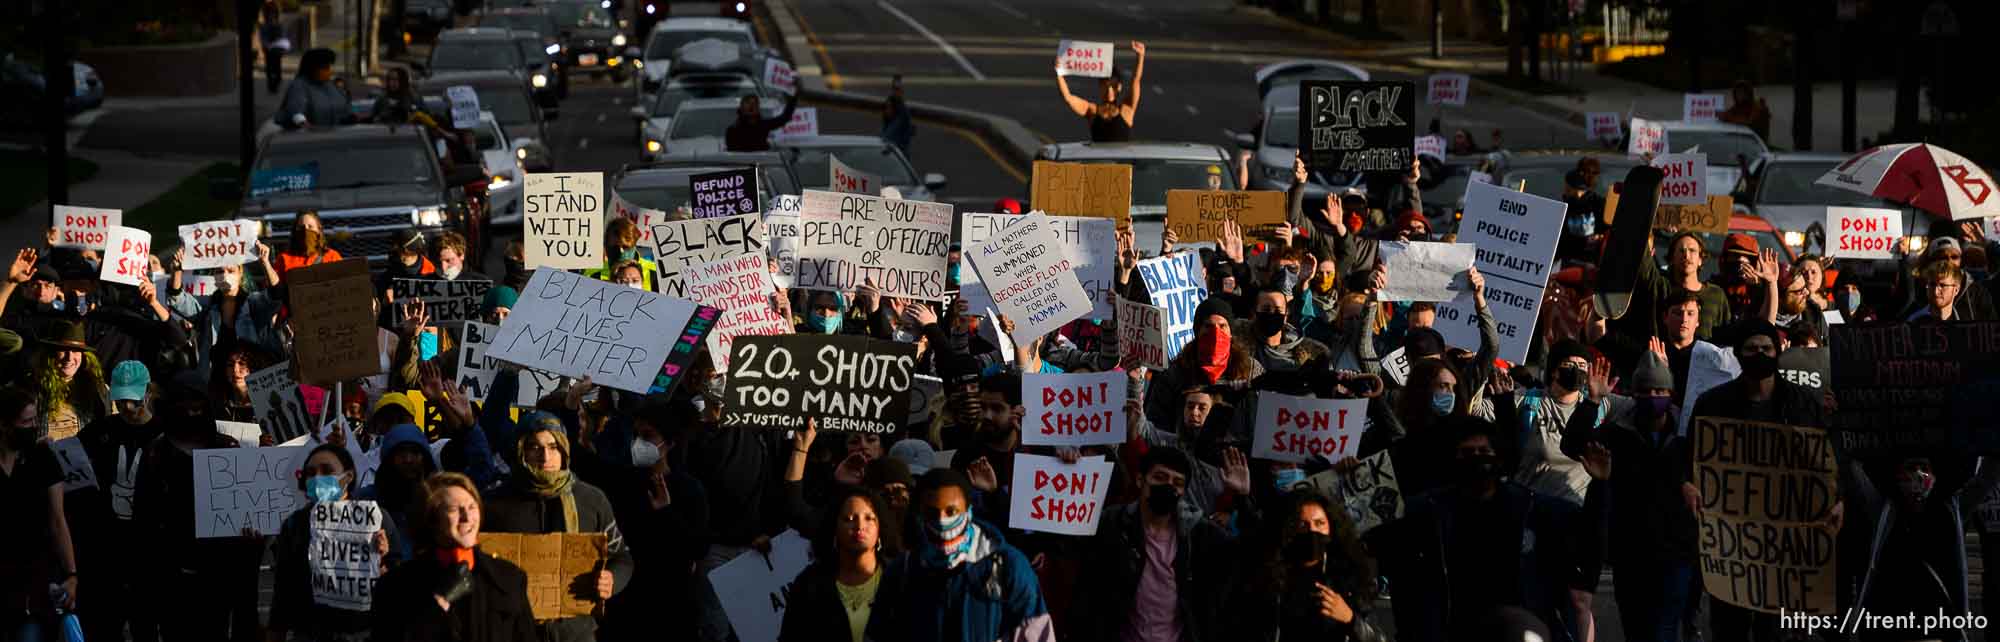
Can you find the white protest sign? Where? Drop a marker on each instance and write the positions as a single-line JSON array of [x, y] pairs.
[[778, 74], [680, 245], [1863, 232], [126, 255], [741, 287], [1647, 137], [1084, 59], [1516, 235], [1077, 409], [581, 327], [1708, 366], [781, 231], [804, 124], [340, 553], [475, 370], [1053, 497], [1396, 365], [1603, 125], [244, 432], [848, 180], [215, 244], [1476, 176], [1090, 243], [239, 488], [1686, 180], [86, 228], [1431, 145], [1299, 429], [1833, 317], [1422, 271], [902, 247], [464, 106], [926, 393], [1029, 278], [1370, 492], [1142, 334], [755, 587], [1177, 283], [78, 473], [1448, 89], [563, 214], [276, 399], [1700, 108]]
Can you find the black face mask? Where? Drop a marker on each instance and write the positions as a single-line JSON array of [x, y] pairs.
[[1569, 378], [19, 439], [1307, 547], [1270, 323], [1477, 468], [1758, 366], [1162, 500]]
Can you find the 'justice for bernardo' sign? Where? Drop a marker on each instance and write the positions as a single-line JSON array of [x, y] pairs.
[[852, 384]]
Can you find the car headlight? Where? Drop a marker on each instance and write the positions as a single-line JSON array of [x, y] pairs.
[[650, 9], [652, 146], [638, 64], [618, 40], [499, 182], [553, 49], [427, 216], [614, 61], [1795, 239], [605, 4], [521, 154], [539, 81], [740, 7], [1280, 174], [1914, 244]]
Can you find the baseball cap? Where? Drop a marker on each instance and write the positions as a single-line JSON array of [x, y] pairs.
[[129, 380], [1740, 243]]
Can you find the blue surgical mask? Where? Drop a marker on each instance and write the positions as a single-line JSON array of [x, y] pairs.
[[951, 274], [1443, 402], [1287, 478], [1288, 279], [324, 488], [427, 345], [1853, 298], [828, 325]]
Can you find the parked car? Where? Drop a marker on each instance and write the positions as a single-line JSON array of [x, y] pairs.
[[504, 166], [475, 49], [1275, 136], [424, 19], [537, 21], [869, 154], [506, 94], [673, 33], [1729, 149], [544, 78], [1783, 189], [656, 119], [373, 181], [1541, 172], [590, 38]]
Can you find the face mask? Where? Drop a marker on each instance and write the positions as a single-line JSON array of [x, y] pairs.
[[951, 539], [1443, 402], [1569, 378], [324, 488], [1270, 323], [82, 302], [1478, 468], [1758, 366], [644, 453], [1288, 278], [427, 346], [1307, 547], [628, 254], [1162, 500], [1324, 284], [452, 272], [20, 439], [1853, 299], [1916, 485], [517, 269], [1650, 407], [1285, 479], [827, 325], [951, 274], [1580, 226]]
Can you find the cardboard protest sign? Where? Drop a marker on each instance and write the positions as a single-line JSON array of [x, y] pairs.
[[1090, 243], [848, 180], [1647, 137], [340, 553], [741, 288], [1177, 283], [1299, 429], [582, 327], [899, 246], [725, 193], [1357, 126], [1080, 409], [1053, 497], [804, 124], [126, 255], [464, 106], [85, 228], [1901, 387], [1448, 89], [1810, 368], [1142, 334], [848, 383], [1710, 216], [1369, 493], [1701, 108], [755, 589], [78, 473], [1516, 235], [553, 562], [564, 214], [239, 488], [681, 245], [279, 180], [1095, 190], [1686, 182], [1423, 271], [1431, 145], [1084, 58], [1863, 232], [1197, 215], [1029, 277], [215, 244], [1603, 125], [1767, 491], [779, 75], [445, 301], [333, 316], [275, 397]]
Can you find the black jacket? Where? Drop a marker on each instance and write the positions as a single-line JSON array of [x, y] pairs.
[[815, 612], [496, 610], [1115, 558], [292, 605], [1649, 520], [754, 136], [1791, 404], [511, 510]]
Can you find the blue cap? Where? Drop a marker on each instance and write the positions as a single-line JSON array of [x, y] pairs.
[[129, 380]]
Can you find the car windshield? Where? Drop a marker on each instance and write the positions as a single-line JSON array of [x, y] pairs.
[[695, 123], [881, 161], [672, 194], [490, 136], [1282, 130], [508, 107], [525, 21], [581, 14], [1721, 148], [664, 43], [348, 164], [1546, 181], [1793, 184], [458, 56], [532, 51], [1151, 178], [671, 98]]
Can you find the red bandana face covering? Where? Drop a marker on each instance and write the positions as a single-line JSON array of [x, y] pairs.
[[1213, 349]]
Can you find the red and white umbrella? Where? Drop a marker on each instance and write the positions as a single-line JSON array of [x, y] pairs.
[[1929, 177]]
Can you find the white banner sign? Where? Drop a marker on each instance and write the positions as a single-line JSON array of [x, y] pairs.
[[1084, 58], [1299, 429], [477, 371], [1647, 138], [1603, 125], [1422, 271], [215, 244], [245, 433], [1396, 365], [1863, 232], [1090, 243], [279, 404], [1370, 492], [804, 124], [126, 255], [1700, 108], [582, 327], [464, 106], [564, 214], [1516, 235], [1432, 146], [1177, 283], [341, 555], [86, 228], [1686, 181], [678, 246], [1030, 278], [1080, 409], [1142, 334], [779, 75], [900, 246], [741, 288], [1053, 497], [755, 587], [848, 180], [239, 488], [1449, 89]]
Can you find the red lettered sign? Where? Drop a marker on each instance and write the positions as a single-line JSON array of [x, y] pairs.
[[1297, 429], [1863, 232], [1078, 409], [86, 228], [1053, 497], [126, 257]]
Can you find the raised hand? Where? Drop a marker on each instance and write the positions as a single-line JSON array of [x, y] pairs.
[[867, 297], [1597, 461], [1767, 266], [1128, 256], [1478, 282], [573, 397], [24, 265], [1235, 472], [1601, 381], [1379, 278], [1658, 348], [1231, 243], [415, 317], [851, 470], [1332, 606], [919, 314], [1283, 233], [1299, 173], [981, 475], [1168, 240]]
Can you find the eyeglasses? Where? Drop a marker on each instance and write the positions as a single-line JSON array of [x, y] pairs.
[[1941, 286]]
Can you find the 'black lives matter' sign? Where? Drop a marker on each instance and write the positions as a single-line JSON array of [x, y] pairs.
[[728, 193], [851, 384], [1902, 386], [1357, 126]]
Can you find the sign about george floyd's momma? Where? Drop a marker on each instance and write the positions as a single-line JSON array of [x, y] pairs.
[[1767, 491], [850, 384], [899, 246], [582, 327]]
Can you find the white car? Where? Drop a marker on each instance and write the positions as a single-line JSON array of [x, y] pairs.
[[1728, 148], [656, 119], [670, 35], [504, 164], [699, 126], [869, 154]]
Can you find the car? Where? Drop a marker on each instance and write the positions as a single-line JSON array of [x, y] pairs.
[[544, 78], [699, 125], [1739, 223], [503, 165], [1728, 147], [506, 94], [373, 181], [1275, 136], [1156, 168], [656, 118], [1784, 189], [22, 80], [425, 19], [589, 37], [869, 154], [664, 186], [475, 49], [673, 33], [1541, 172], [539, 22]]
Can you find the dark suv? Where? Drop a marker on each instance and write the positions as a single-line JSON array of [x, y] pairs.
[[373, 181]]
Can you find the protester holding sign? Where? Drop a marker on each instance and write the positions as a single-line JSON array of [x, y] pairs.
[[114, 446], [752, 131], [306, 245], [1110, 120], [1312, 579], [958, 564], [1181, 580], [544, 496], [1212, 357], [451, 590], [302, 564]]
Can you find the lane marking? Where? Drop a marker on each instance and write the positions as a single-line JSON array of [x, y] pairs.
[[600, 117], [1192, 111], [583, 143], [1010, 10], [1158, 91], [946, 46], [966, 134], [833, 80]]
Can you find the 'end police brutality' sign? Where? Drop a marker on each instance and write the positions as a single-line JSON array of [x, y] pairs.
[[1357, 126], [1516, 237]]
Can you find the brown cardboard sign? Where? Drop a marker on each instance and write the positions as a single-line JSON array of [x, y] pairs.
[[333, 322], [1096, 190], [1198, 215], [1767, 491], [1712, 218], [559, 567]]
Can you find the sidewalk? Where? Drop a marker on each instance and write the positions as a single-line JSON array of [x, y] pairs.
[[330, 32], [123, 181]]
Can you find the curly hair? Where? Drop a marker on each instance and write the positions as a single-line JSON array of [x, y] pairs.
[[823, 542], [1349, 569], [85, 387]]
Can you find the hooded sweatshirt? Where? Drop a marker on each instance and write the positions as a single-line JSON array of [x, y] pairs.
[[992, 595]]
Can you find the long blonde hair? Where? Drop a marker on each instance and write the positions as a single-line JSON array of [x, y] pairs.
[[87, 386]]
